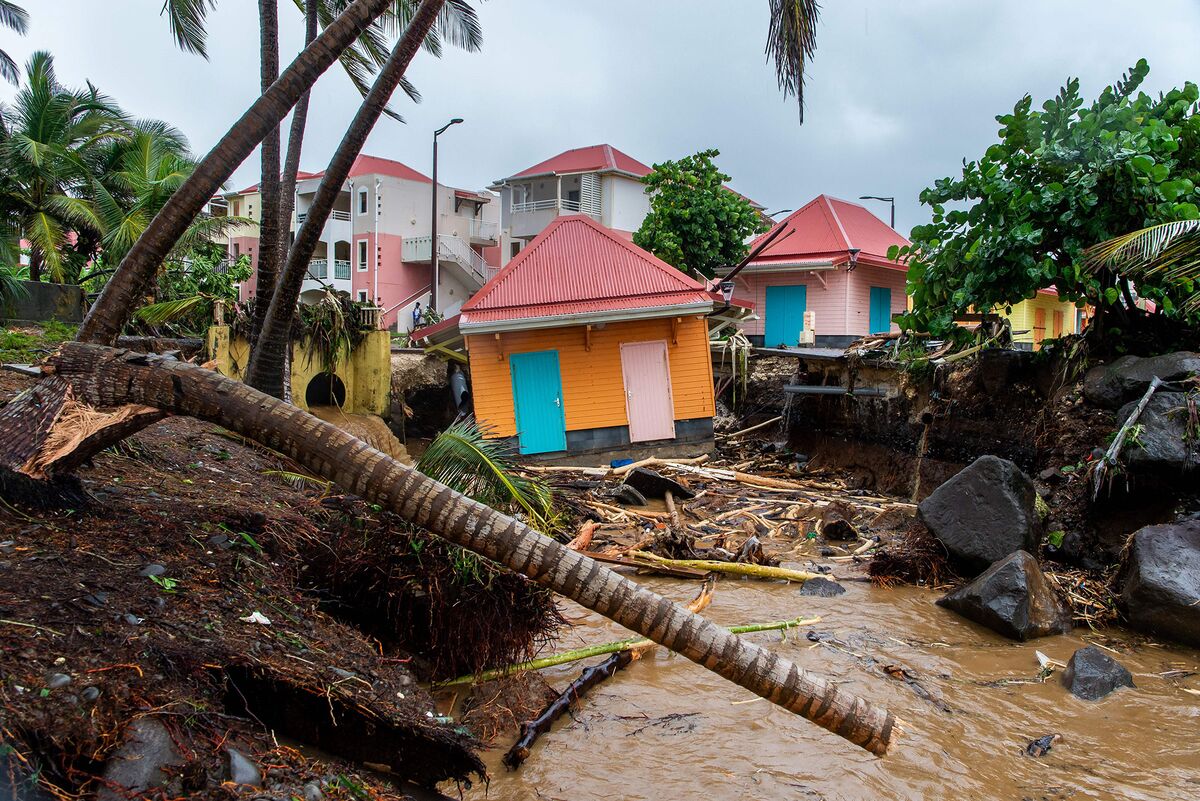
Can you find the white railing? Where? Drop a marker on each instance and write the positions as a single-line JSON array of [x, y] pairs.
[[340, 216], [485, 231], [341, 269], [535, 205], [368, 317], [556, 204], [450, 248], [318, 268]]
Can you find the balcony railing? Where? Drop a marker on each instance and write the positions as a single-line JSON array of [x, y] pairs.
[[340, 216], [318, 268], [450, 249], [483, 231], [341, 270], [553, 204]]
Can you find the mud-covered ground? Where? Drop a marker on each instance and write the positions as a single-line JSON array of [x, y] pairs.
[[194, 586]]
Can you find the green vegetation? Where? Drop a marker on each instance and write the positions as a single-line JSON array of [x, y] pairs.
[[696, 223], [31, 344], [1061, 178]]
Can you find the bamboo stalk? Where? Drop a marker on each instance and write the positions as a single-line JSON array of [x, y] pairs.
[[655, 461], [737, 434], [587, 652], [734, 568], [1114, 450]]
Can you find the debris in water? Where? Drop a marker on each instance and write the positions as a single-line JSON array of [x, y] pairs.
[[1042, 745]]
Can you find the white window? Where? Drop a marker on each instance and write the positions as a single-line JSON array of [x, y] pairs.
[[362, 201], [362, 255], [362, 296]]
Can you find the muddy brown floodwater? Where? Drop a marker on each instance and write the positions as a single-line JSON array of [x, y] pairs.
[[666, 729]]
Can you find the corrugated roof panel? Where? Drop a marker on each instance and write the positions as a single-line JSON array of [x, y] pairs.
[[574, 266], [828, 228], [587, 159]]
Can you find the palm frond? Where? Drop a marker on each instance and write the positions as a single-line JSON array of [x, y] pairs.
[[300, 480], [1167, 254], [186, 19], [8, 68], [791, 42], [13, 17], [462, 458], [168, 310]]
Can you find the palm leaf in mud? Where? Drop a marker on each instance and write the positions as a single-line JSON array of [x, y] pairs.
[[462, 458], [300, 480]]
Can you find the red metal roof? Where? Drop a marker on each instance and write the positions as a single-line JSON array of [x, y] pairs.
[[578, 267], [825, 230], [374, 165], [597, 158]]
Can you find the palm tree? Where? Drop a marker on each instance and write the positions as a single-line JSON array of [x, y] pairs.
[[1167, 255], [13, 17], [791, 42], [119, 298], [48, 138], [268, 357], [135, 176], [106, 377]]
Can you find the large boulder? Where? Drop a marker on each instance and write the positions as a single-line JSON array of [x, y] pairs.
[[1092, 674], [1127, 378], [1013, 598], [1160, 583], [983, 513], [1162, 444], [140, 763]]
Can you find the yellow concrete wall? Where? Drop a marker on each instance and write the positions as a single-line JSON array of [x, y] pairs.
[[593, 384], [366, 374]]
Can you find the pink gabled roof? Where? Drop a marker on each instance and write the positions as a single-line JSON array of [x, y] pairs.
[[577, 267], [596, 158], [826, 230], [375, 165]]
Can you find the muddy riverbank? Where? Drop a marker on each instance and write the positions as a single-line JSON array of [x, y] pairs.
[[665, 728]]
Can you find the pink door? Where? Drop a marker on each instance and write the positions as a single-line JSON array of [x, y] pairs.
[[648, 391]]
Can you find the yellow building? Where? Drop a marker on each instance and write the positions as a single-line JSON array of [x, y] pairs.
[[1042, 317]]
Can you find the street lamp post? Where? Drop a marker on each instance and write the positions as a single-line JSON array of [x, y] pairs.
[[433, 238], [891, 200]]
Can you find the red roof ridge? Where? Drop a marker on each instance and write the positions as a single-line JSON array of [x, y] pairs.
[[828, 202]]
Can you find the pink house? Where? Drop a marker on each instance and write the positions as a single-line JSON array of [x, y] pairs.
[[828, 258], [376, 244]]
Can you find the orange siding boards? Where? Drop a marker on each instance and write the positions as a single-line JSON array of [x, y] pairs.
[[593, 386]]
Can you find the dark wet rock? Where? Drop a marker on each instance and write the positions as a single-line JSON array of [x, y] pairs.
[[837, 522], [138, 764], [152, 570], [1050, 475], [90, 693], [1127, 378], [312, 792], [1092, 674], [1013, 598], [1162, 444], [96, 599], [984, 513], [821, 588], [56, 681], [623, 493], [653, 484], [1042, 745], [1160, 582], [133, 619], [242, 770]]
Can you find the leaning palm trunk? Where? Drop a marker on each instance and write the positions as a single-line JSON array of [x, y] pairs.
[[123, 292], [269, 188], [291, 165], [106, 377], [265, 371]]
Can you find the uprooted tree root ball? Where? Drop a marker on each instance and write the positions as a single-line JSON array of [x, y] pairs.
[[912, 556], [454, 611]]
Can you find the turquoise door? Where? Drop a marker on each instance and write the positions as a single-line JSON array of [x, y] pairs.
[[881, 310], [785, 315], [537, 401]]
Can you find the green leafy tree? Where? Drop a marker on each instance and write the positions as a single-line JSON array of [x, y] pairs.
[[1061, 178], [696, 223]]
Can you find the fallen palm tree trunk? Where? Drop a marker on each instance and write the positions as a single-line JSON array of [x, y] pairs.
[[531, 730], [108, 378], [566, 657], [733, 568]]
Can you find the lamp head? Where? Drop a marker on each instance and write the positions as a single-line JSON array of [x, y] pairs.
[[853, 258], [727, 290]]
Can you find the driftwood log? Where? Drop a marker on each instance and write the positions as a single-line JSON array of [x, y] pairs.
[[109, 378]]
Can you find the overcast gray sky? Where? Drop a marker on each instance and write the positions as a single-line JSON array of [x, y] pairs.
[[898, 94]]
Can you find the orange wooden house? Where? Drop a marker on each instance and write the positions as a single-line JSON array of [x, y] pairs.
[[585, 343]]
